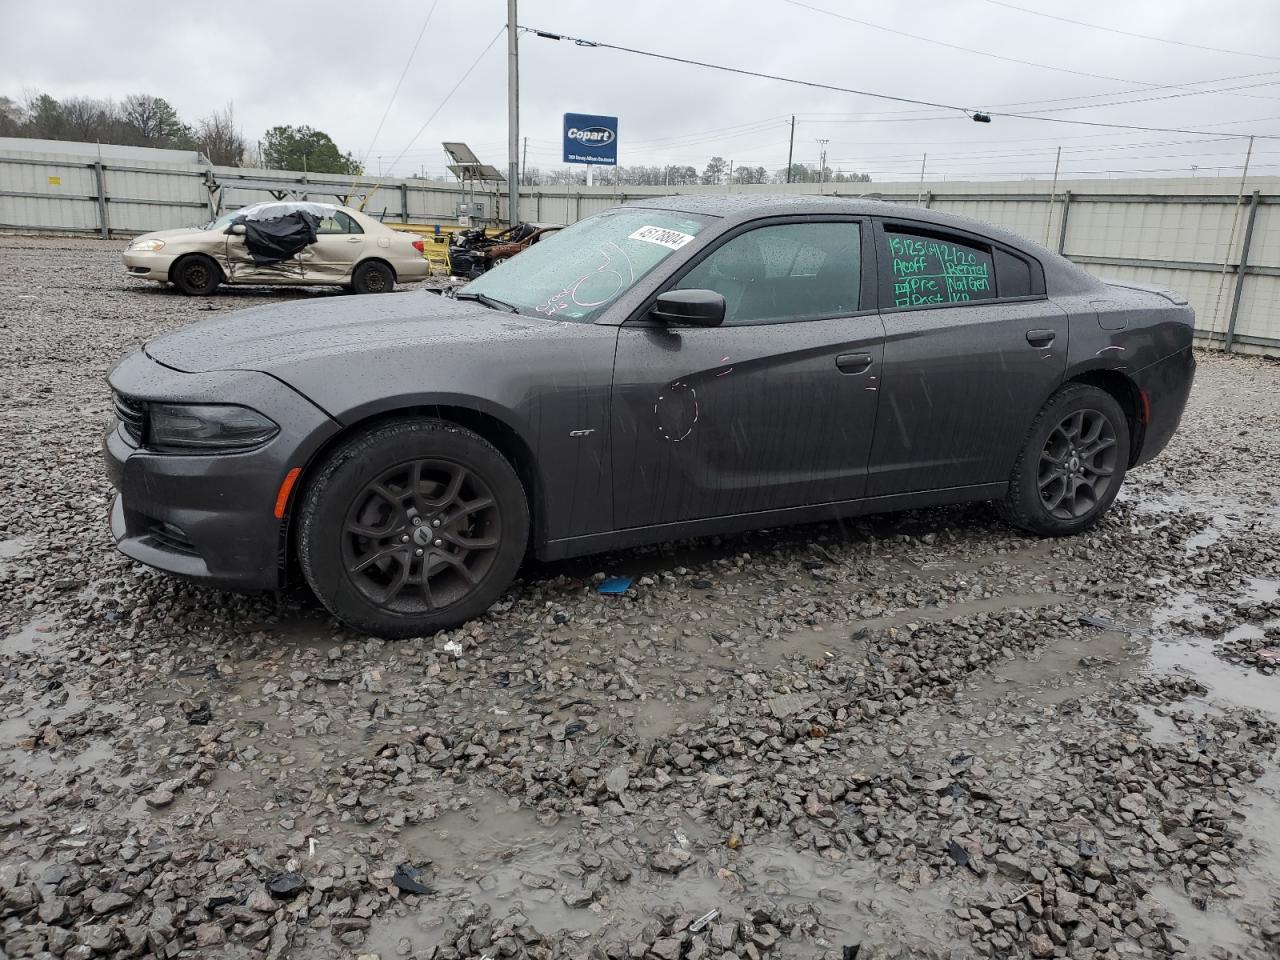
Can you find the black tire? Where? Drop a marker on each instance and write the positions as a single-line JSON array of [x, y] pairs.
[[398, 502], [373, 276], [196, 275], [1072, 465]]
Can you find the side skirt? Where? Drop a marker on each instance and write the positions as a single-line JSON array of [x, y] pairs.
[[738, 523]]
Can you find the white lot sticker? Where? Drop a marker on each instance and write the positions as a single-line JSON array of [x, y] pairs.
[[661, 236]]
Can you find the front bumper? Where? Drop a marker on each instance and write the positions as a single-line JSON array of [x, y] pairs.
[[208, 517], [147, 264]]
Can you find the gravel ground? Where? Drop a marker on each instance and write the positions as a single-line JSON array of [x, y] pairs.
[[919, 735]]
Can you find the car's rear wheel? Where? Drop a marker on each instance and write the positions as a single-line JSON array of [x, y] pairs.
[[411, 527], [373, 276], [196, 275], [1072, 464]]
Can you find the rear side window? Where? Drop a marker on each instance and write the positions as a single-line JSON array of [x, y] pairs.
[[1014, 274], [339, 222], [792, 271], [931, 270]]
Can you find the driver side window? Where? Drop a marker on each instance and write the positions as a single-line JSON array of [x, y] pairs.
[[792, 271]]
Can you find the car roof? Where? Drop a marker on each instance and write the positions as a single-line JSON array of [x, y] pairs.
[[738, 207]]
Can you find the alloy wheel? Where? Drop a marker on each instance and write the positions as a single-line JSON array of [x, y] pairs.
[[1077, 464], [421, 536]]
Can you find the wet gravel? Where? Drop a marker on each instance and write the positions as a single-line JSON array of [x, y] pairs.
[[920, 735]]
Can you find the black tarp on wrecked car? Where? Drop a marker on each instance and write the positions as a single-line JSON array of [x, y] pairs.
[[280, 237]]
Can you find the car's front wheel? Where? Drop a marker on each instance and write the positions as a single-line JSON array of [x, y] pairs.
[[411, 527], [196, 275], [373, 276], [1072, 464]]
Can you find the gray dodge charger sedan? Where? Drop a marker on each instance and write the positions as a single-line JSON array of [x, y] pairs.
[[671, 368]]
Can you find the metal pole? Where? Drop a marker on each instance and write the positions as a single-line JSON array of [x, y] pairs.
[[1062, 224], [1244, 262], [1053, 196], [524, 161], [103, 224], [791, 147], [513, 115], [730, 180], [1231, 242], [920, 192]]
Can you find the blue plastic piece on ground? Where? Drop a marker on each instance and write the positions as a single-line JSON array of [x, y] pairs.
[[614, 585]]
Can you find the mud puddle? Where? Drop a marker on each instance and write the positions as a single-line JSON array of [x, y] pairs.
[[505, 859], [1052, 673], [1193, 656], [31, 638]]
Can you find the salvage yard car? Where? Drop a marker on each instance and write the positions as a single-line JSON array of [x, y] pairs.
[[670, 368], [472, 252], [280, 242]]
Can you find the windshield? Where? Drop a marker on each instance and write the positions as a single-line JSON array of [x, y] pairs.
[[576, 272], [223, 221]]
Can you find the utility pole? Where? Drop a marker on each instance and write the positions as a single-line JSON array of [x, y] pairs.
[[513, 115], [524, 161], [1053, 195], [822, 162], [730, 180], [791, 146], [920, 193]]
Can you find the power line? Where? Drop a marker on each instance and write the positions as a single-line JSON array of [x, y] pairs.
[[447, 96], [1130, 33], [579, 41], [972, 50], [365, 159]]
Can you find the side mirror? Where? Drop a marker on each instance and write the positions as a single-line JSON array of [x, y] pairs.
[[696, 308], [236, 229]]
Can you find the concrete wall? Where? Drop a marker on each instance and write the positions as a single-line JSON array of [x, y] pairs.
[[1177, 233]]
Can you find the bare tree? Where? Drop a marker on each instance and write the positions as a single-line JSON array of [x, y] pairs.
[[219, 139], [85, 118], [715, 169], [152, 121]]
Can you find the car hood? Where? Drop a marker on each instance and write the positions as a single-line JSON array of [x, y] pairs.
[[272, 338], [178, 233]]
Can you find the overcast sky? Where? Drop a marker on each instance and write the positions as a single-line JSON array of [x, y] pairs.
[[334, 65]]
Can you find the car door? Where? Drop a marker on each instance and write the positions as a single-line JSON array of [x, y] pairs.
[[340, 242], [972, 349], [241, 268], [773, 409]]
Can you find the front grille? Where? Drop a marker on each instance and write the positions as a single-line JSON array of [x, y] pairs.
[[168, 537], [131, 414]]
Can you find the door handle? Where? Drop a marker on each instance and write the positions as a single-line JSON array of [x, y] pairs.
[[853, 363], [354, 240], [1041, 338]]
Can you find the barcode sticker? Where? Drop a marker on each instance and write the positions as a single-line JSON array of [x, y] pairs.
[[661, 236]]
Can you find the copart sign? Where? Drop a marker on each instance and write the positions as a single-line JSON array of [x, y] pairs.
[[590, 139]]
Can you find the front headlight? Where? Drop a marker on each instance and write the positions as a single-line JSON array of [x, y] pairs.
[[196, 428], [150, 246]]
